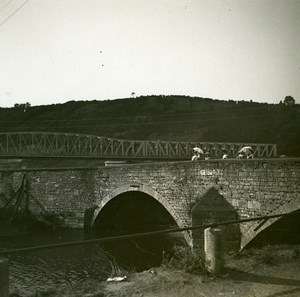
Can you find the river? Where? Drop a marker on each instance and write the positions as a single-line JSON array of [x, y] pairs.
[[53, 268]]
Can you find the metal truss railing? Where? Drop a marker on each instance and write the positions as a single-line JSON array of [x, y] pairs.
[[47, 144]]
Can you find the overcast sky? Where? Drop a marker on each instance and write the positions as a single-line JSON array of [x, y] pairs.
[[53, 51]]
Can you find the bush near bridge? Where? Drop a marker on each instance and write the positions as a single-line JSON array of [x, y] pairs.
[[173, 118]]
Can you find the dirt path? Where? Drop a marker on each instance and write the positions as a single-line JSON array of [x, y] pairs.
[[236, 282]]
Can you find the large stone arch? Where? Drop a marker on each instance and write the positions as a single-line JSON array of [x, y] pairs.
[[258, 227], [149, 191]]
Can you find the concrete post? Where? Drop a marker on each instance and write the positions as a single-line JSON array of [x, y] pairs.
[[213, 250], [4, 278]]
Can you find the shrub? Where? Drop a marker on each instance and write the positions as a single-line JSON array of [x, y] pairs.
[[183, 258]]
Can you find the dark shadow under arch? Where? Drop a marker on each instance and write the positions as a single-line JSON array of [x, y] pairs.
[[258, 227], [285, 230], [137, 212], [163, 202], [132, 212]]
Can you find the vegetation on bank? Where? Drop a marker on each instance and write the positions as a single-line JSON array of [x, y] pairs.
[[13, 224], [174, 118]]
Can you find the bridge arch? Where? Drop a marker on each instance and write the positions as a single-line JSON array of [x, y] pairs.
[[148, 191], [258, 227]]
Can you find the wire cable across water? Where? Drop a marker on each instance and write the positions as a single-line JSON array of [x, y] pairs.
[[138, 235]]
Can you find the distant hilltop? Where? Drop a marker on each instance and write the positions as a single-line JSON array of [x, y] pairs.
[[177, 118]]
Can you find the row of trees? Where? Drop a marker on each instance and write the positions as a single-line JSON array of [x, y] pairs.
[[22, 106], [288, 101]]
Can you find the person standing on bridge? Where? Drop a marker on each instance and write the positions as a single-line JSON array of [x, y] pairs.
[[207, 155], [225, 154], [197, 153], [246, 152]]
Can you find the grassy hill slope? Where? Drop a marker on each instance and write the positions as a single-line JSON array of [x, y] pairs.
[[176, 118]]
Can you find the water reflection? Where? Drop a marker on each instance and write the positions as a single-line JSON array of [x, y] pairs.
[[54, 267]]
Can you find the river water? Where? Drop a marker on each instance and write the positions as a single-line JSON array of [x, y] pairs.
[[53, 268]]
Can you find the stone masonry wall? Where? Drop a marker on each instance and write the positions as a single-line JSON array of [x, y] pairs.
[[66, 193], [253, 187]]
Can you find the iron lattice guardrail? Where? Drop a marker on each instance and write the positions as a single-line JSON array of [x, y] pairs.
[[47, 144]]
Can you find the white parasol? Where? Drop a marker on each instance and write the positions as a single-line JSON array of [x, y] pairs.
[[198, 150], [246, 150]]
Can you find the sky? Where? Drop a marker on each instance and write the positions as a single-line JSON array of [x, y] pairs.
[[54, 51]]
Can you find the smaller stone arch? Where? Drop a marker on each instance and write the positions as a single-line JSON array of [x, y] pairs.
[[258, 227], [149, 191]]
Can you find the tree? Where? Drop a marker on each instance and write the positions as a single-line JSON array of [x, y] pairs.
[[289, 101]]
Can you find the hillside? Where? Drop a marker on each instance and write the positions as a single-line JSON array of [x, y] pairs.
[[177, 118]]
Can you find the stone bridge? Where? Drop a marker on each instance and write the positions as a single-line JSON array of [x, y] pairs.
[[183, 193]]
